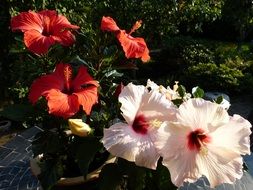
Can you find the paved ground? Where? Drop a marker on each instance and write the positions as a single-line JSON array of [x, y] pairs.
[[15, 171]]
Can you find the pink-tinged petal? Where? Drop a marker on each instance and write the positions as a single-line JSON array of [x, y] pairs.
[[131, 100], [37, 43], [238, 139], [199, 113], [171, 145], [27, 21], [87, 97], [108, 24], [155, 106], [133, 47], [122, 141], [61, 104], [218, 173]]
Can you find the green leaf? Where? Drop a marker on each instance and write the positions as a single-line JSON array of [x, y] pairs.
[[86, 151], [110, 51], [219, 99], [181, 91], [136, 175], [110, 177], [46, 142], [113, 73], [197, 92], [77, 60], [51, 172], [162, 177], [177, 102], [17, 112]]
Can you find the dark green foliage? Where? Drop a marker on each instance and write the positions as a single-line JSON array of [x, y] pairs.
[[110, 177], [213, 65]]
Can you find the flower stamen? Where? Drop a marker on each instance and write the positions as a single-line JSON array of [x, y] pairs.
[[155, 123], [67, 76], [136, 26]]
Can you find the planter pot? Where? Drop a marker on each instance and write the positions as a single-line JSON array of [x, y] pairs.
[[71, 181]]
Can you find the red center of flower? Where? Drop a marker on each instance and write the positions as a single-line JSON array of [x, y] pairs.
[[46, 27], [196, 139], [140, 124]]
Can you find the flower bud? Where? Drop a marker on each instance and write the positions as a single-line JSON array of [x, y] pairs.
[[78, 127]]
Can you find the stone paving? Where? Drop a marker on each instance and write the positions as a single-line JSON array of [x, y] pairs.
[[15, 155]]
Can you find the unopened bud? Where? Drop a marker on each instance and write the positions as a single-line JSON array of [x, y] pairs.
[[78, 127]]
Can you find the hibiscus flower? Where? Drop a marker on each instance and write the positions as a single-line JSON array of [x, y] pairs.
[[204, 140], [144, 112], [65, 95], [43, 29], [133, 47]]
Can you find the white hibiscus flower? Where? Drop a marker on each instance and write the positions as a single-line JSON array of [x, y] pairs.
[[205, 140], [144, 112]]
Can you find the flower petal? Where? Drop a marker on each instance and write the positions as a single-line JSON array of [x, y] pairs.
[[83, 78], [218, 173], [122, 141], [78, 127], [199, 113], [218, 159], [131, 99], [108, 24], [37, 43], [87, 97], [27, 21], [61, 104], [85, 88], [155, 106], [133, 47], [65, 38], [237, 141], [46, 83]]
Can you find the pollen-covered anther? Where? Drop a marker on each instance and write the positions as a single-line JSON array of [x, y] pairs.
[[203, 150], [155, 123], [161, 89]]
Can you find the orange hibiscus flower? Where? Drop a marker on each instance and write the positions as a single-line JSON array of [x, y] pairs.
[[65, 95], [133, 47], [43, 29]]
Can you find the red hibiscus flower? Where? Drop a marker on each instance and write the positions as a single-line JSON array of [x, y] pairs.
[[43, 29], [133, 47], [65, 95]]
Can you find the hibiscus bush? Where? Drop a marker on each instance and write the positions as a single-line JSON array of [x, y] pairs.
[[91, 110]]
